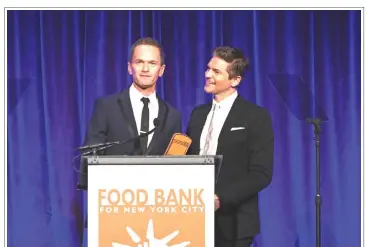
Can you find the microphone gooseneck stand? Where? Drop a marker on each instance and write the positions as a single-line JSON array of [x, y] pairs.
[[317, 130]]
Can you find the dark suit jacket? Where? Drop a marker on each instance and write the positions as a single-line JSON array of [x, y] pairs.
[[113, 120], [246, 166]]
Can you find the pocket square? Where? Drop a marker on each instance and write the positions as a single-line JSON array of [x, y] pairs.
[[237, 128]]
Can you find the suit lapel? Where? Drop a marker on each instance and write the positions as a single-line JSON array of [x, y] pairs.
[[125, 106], [162, 116]]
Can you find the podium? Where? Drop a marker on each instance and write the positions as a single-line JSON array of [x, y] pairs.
[[150, 201]]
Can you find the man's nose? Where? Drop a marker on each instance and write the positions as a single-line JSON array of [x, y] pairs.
[[145, 67]]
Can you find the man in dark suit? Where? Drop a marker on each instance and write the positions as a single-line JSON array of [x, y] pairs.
[[131, 112], [127, 114], [241, 132]]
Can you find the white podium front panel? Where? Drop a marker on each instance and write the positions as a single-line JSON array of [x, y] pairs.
[[151, 205]]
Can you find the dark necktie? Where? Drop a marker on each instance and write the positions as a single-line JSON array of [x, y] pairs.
[[144, 124]]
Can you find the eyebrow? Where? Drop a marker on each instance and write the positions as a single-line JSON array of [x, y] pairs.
[[141, 60], [214, 69]]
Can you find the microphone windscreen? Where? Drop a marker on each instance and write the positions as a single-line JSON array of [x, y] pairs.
[[156, 122], [178, 145]]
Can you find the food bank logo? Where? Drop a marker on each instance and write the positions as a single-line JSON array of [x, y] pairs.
[[151, 218], [152, 241]]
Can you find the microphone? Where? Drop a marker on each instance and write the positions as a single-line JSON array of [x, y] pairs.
[[178, 145], [97, 145], [102, 146]]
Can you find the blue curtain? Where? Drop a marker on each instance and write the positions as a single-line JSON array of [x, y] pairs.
[[302, 64]]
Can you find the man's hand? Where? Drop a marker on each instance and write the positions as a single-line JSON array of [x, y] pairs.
[[217, 202]]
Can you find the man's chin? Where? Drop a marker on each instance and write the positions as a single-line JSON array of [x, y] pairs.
[[209, 89], [144, 85]]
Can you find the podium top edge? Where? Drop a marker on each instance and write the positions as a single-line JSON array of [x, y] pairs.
[[154, 160], [154, 156]]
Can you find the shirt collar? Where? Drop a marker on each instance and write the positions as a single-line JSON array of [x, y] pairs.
[[136, 96], [226, 103]]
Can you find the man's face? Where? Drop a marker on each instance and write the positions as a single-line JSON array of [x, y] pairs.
[[217, 77], [145, 66]]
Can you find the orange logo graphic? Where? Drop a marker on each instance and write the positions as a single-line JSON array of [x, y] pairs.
[[151, 218]]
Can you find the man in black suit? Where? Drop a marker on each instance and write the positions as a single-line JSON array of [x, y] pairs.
[[127, 114], [132, 112], [241, 132]]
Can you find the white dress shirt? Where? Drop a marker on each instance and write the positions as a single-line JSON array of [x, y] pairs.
[[222, 110], [137, 106]]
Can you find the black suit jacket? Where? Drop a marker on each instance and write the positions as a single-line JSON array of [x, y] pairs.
[[113, 120], [246, 166]]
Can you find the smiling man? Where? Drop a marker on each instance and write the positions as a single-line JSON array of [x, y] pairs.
[[132, 112], [242, 133]]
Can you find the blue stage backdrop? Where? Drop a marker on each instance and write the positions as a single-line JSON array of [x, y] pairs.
[[301, 63]]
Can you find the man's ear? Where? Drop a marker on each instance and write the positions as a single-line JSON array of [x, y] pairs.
[[161, 71], [129, 68], [235, 81]]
